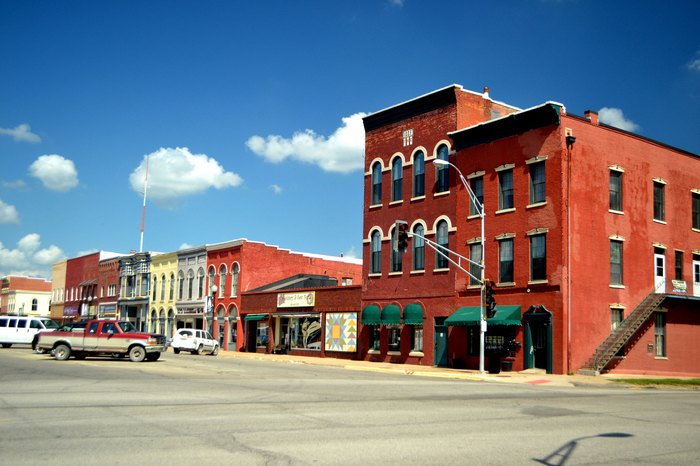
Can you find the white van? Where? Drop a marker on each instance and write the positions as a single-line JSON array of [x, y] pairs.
[[23, 330]]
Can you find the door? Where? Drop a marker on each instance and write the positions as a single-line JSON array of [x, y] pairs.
[[537, 336], [659, 273], [696, 278], [441, 345]]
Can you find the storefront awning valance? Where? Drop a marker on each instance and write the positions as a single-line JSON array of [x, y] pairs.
[[413, 314], [469, 316], [391, 315], [253, 317], [370, 315]]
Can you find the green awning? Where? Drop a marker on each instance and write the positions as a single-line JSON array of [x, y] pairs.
[[391, 315], [252, 317], [469, 316], [370, 315], [413, 314]]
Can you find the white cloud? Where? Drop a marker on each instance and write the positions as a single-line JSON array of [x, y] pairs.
[[351, 253], [177, 173], [277, 189], [614, 117], [694, 65], [21, 133], [55, 172], [398, 3], [29, 258], [17, 184], [341, 152], [184, 246], [8, 213]]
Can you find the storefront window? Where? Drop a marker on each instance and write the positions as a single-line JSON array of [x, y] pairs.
[[374, 337], [417, 339], [305, 332], [261, 335], [394, 338]]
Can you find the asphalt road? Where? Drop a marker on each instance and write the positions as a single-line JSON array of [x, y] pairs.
[[201, 410]]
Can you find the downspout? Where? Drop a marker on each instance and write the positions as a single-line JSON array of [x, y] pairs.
[[570, 139]]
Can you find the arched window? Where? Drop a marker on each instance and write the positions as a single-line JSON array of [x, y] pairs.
[[172, 287], [155, 287], [162, 287], [200, 283], [376, 183], [442, 239], [190, 283], [35, 305], [418, 248], [396, 179], [222, 280], [234, 279], [212, 273], [442, 174], [419, 174], [396, 256], [376, 244], [181, 285]]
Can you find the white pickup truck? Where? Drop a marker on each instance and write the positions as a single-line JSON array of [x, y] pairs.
[[103, 337]]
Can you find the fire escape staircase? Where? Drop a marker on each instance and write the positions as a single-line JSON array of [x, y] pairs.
[[622, 334]]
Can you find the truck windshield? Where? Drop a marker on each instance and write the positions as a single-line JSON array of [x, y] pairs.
[[50, 324], [127, 327]]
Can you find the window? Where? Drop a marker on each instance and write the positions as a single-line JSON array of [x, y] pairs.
[[200, 283], [376, 245], [394, 337], [212, 274], [419, 174], [660, 334], [477, 185], [234, 280], [442, 240], [616, 190], [396, 179], [474, 269], [696, 211], [396, 256], [418, 248], [659, 210], [155, 287], [190, 284], [538, 257], [537, 183], [679, 265], [181, 287], [374, 337], [408, 137], [162, 287], [442, 172], [505, 261], [615, 262], [35, 305], [222, 280], [505, 190], [417, 339], [376, 184], [172, 287], [616, 317]]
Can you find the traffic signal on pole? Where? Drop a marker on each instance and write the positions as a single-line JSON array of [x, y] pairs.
[[400, 236], [489, 300]]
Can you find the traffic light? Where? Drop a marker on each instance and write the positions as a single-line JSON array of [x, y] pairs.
[[400, 239], [489, 300]]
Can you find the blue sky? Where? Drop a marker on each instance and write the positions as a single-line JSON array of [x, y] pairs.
[[250, 112]]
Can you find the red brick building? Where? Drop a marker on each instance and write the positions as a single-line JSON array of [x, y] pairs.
[[592, 238], [242, 265], [292, 318], [80, 297]]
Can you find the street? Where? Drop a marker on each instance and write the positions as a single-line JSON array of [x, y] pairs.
[[185, 409]]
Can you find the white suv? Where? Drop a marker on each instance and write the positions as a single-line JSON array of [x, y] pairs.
[[195, 341]]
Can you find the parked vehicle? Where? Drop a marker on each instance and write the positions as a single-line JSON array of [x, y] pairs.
[[195, 341], [23, 329], [100, 337]]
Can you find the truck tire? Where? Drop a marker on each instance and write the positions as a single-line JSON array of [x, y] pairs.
[[152, 356], [215, 351], [6, 345], [176, 350], [198, 350], [61, 352], [137, 353]]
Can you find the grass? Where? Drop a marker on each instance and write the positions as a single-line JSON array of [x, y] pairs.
[[687, 383]]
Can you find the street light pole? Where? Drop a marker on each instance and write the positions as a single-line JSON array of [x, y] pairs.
[[480, 211], [210, 308]]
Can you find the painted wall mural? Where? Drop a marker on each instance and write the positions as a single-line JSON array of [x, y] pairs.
[[341, 331]]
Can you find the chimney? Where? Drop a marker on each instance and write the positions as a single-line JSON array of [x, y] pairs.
[[591, 116], [486, 92]]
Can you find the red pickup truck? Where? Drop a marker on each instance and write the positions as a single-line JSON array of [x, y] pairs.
[[118, 338]]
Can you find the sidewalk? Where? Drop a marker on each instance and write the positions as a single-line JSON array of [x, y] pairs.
[[529, 377]]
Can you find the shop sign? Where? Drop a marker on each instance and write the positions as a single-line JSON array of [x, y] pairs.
[[305, 299], [679, 286]]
